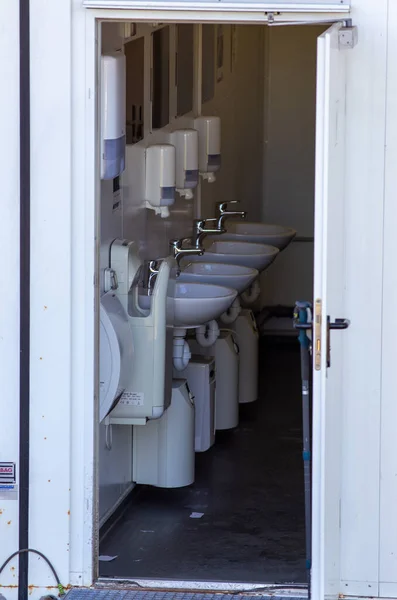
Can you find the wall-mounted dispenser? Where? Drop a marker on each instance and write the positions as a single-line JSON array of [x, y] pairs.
[[113, 115], [209, 131], [147, 382], [160, 178], [186, 148]]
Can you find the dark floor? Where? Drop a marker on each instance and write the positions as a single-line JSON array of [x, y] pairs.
[[249, 487]]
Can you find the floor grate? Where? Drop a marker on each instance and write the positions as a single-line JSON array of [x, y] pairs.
[[101, 594]]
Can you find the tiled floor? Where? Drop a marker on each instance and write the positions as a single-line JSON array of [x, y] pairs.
[[249, 487]]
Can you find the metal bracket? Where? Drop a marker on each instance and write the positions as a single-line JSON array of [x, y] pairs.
[[348, 35], [110, 282]]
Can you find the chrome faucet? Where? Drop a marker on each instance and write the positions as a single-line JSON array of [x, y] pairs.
[[179, 251], [200, 231], [224, 213], [154, 266]]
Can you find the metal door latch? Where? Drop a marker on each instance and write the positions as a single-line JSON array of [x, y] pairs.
[[314, 326], [337, 324]]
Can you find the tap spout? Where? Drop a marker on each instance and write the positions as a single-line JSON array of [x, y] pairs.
[[178, 251], [200, 231], [225, 213]]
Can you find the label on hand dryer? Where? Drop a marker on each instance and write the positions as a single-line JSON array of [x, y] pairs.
[[132, 398]]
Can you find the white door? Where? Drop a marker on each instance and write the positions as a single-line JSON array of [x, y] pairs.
[[328, 301]]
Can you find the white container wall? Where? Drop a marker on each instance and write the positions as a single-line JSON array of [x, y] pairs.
[[9, 315], [64, 258]]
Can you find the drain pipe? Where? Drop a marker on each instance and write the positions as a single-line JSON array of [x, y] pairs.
[[207, 334], [24, 298], [252, 294], [180, 352], [232, 313]]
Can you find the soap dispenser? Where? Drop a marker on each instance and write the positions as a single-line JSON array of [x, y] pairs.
[[186, 148], [160, 178], [209, 132]]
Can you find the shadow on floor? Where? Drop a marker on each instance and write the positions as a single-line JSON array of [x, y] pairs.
[[249, 487]]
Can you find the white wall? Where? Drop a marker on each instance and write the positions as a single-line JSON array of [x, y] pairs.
[[115, 468], [388, 409], [238, 101], [364, 269], [290, 94], [9, 286], [51, 446]]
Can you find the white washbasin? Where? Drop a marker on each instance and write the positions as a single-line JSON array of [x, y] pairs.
[[255, 256], [232, 276], [145, 302], [259, 233], [198, 303]]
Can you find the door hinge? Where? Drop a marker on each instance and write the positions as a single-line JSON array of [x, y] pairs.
[[348, 35]]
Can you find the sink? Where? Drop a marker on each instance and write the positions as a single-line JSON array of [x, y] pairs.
[[145, 302], [260, 233], [232, 276], [254, 256], [194, 303], [198, 303]]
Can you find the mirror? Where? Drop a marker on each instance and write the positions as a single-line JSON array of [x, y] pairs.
[[134, 56], [184, 68], [208, 62], [161, 78]]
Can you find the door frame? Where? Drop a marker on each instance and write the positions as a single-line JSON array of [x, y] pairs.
[[84, 146]]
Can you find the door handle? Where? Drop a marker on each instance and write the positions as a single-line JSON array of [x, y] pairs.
[[315, 328], [338, 324]]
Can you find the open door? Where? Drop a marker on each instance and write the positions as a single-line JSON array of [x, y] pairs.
[[327, 312]]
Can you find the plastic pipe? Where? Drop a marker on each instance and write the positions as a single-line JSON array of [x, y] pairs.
[[232, 313], [181, 353], [252, 294], [206, 335]]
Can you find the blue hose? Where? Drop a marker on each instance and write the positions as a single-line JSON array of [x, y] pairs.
[[301, 318]]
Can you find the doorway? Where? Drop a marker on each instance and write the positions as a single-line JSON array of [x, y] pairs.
[[122, 528]]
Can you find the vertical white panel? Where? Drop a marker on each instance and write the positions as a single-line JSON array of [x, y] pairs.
[[51, 239], [388, 465], [85, 258], [328, 288], [9, 284], [365, 132]]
